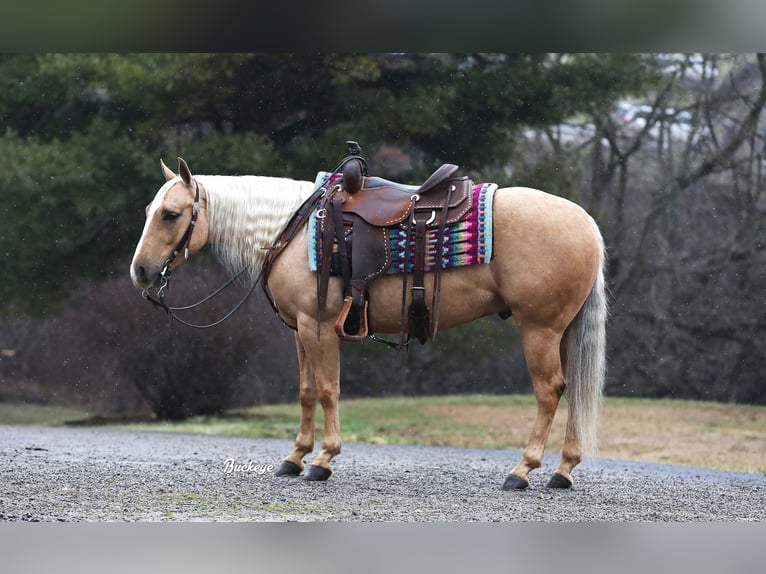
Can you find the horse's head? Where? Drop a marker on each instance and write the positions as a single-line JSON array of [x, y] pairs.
[[176, 225]]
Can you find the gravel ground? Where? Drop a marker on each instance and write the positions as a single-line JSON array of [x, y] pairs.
[[104, 474]]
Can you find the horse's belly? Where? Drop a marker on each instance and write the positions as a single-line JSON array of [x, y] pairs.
[[467, 293]]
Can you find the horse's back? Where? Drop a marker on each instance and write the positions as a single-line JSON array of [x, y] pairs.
[[524, 211], [542, 229]]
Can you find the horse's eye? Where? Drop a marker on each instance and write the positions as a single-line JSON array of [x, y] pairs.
[[170, 216]]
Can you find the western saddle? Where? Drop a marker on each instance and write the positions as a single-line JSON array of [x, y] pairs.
[[357, 213]]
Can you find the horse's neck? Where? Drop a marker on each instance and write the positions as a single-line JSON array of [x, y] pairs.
[[246, 214]]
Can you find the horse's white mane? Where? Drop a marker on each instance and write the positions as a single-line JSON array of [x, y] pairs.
[[246, 213]]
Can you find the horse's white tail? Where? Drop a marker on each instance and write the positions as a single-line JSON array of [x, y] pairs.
[[585, 367]]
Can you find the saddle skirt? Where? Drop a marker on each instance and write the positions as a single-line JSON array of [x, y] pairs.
[[465, 242]]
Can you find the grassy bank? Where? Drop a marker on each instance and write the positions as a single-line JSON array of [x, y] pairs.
[[38, 415], [731, 437]]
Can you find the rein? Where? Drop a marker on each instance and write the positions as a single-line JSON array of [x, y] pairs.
[[159, 301]]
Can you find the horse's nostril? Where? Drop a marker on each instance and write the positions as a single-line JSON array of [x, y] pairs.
[[138, 275]]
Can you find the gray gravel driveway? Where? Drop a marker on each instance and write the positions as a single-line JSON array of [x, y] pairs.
[[105, 474]]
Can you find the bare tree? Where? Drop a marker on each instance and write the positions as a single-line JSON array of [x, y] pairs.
[[678, 190]]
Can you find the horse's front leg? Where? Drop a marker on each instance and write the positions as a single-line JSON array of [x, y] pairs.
[[304, 442], [322, 354]]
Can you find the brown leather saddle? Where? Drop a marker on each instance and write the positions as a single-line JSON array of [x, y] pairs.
[[357, 214]]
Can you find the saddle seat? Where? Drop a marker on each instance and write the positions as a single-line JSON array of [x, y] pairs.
[[384, 204], [372, 182]]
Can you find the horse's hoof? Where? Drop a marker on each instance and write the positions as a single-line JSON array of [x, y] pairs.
[[316, 473], [559, 481], [514, 482], [288, 468]]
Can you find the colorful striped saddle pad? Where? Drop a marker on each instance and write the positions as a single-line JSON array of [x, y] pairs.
[[467, 242]]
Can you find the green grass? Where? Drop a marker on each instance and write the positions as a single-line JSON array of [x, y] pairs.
[[398, 420], [38, 415], [704, 434]]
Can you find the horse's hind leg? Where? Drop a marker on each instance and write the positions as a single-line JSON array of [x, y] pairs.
[[541, 350], [571, 453], [304, 442]]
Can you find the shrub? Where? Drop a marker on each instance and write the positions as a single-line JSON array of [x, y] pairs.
[[111, 352]]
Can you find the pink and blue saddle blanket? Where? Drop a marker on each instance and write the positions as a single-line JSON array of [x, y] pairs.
[[467, 242]]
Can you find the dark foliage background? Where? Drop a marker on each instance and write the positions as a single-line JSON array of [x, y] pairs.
[[665, 150]]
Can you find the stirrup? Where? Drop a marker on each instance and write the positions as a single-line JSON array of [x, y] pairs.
[[340, 322]]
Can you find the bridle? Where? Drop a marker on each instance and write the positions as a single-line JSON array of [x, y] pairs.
[[296, 222], [166, 274], [183, 244]]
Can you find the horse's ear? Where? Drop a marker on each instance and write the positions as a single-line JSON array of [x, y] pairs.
[[166, 171], [184, 171]]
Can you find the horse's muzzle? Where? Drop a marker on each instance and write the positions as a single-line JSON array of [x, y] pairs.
[[143, 277]]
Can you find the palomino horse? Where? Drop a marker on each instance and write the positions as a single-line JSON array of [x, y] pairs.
[[547, 271]]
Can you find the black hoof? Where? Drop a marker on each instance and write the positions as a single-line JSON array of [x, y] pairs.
[[315, 472], [513, 482], [288, 468], [559, 481]]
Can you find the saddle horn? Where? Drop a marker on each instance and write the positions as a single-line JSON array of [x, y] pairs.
[[354, 168]]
